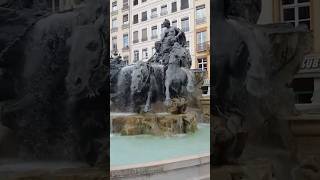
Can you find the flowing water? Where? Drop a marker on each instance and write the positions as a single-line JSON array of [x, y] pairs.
[[125, 150]]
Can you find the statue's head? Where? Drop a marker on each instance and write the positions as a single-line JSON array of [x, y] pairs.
[[166, 23], [172, 32], [84, 60]]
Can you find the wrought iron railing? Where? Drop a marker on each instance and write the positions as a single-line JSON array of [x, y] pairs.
[[202, 46], [125, 6], [135, 40]]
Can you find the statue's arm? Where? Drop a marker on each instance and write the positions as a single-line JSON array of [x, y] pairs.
[[179, 32]]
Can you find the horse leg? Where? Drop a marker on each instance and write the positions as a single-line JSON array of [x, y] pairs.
[[147, 106], [167, 85]]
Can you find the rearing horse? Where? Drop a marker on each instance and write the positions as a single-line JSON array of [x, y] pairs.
[[179, 81]]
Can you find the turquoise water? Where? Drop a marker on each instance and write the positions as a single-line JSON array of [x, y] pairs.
[[125, 150]]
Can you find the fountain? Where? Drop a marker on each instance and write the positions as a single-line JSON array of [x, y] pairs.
[[154, 132]]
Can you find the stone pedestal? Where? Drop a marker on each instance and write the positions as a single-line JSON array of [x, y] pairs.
[[306, 131], [155, 124], [205, 106]]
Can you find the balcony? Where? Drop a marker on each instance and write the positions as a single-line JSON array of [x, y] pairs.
[[125, 26], [126, 48], [203, 46], [154, 16], [154, 36], [125, 7], [135, 41], [201, 20], [163, 13], [114, 12], [114, 29], [144, 39]]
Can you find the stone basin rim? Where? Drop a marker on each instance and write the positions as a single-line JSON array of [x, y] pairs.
[[202, 159]]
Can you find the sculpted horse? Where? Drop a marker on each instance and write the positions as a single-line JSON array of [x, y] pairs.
[[139, 85], [86, 85], [179, 80]]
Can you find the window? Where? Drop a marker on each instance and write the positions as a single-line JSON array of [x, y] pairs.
[[164, 10], [154, 13], [144, 16], [144, 34], [173, 7], [163, 29], [125, 5], [185, 24], [135, 19], [303, 89], [114, 22], [135, 37], [144, 0], [184, 4], [205, 90], [114, 6], [201, 41], [200, 14], [126, 59], [202, 64], [114, 43], [126, 19], [174, 23], [145, 53], [135, 2], [125, 41], [296, 12], [154, 30], [136, 56]]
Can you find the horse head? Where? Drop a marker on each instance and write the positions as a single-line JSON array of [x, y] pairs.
[[140, 77], [179, 56], [85, 63]]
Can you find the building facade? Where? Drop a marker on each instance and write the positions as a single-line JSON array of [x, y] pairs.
[[202, 41], [120, 28], [300, 12]]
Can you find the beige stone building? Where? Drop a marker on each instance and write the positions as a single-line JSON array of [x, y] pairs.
[[120, 28], [202, 41], [300, 12]]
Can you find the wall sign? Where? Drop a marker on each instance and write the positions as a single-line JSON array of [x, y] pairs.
[[311, 63]]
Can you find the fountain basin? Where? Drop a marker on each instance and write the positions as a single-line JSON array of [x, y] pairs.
[[182, 156], [188, 167]]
